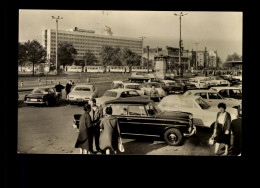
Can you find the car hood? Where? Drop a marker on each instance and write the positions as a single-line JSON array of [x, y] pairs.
[[80, 93], [36, 95], [102, 100], [174, 115]]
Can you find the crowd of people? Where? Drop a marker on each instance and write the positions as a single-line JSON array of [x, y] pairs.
[[59, 89], [93, 126]]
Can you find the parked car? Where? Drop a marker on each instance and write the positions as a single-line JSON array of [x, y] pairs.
[[41, 95], [143, 77], [203, 113], [118, 93], [186, 83], [135, 86], [214, 98], [172, 87], [238, 77], [169, 76], [117, 84], [142, 117], [199, 82], [82, 94], [218, 81], [146, 87], [230, 79], [229, 92]]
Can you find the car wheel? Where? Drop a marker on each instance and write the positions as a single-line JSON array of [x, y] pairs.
[[173, 137], [71, 103]]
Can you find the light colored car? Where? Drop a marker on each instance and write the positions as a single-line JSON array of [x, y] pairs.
[[117, 84], [118, 93], [229, 92], [218, 81], [203, 113], [135, 86], [82, 93], [146, 87], [199, 82]]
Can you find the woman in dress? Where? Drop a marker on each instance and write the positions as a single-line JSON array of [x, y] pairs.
[[110, 132], [222, 128]]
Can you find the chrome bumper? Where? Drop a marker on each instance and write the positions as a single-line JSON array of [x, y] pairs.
[[193, 131], [34, 102]]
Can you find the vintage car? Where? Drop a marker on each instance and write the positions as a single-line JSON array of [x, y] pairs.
[[214, 98], [229, 92], [118, 93], [169, 76], [218, 81], [199, 82], [172, 87], [238, 77], [117, 84], [146, 87], [143, 118], [135, 86], [82, 93], [143, 77], [41, 95], [185, 82], [230, 79], [204, 114]]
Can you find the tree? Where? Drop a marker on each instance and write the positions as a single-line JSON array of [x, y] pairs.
[[111, 56], [22, 55], [89, 58], [35, 53], [130, 58], [66, 53], [234, 57]]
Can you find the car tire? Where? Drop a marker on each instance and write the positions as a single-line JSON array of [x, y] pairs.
[[173, 137], [71, 103]]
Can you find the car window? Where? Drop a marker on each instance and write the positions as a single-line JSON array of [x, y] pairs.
[[234, 92], [203, 95], [110, 94], [223, 92], [133, 87], [134, 110], [133, 94], [119, 109], [214, 96], [82, 89], [124, 94], [202, 103]]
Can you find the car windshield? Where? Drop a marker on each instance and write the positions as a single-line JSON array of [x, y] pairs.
[[40, 91], [217, 78], [133, 87], [152, 109], [82, 89], [157, 85], [110, 94], [202, 103]]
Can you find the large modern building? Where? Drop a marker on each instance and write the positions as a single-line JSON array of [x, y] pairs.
[[84, 40]]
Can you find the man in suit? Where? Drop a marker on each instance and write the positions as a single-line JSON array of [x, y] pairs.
[[95, 114]]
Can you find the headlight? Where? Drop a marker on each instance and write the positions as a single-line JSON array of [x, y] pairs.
[[190, 116]]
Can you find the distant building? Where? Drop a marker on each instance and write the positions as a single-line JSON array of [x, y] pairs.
[[84, 40]]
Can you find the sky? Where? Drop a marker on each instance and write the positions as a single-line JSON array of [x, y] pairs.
[[221, 31]]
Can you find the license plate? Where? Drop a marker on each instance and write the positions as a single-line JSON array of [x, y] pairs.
[[80, 100], [33, 99]]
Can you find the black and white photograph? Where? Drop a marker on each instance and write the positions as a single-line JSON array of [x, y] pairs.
[[128, 82]]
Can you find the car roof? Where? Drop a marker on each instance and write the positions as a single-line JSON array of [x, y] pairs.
[[83, 85], [129, 101], [44, 87], [131, 84], [121, 90], [181, 97], [167, 80], [117, 81], [228, 87], [201, 91]]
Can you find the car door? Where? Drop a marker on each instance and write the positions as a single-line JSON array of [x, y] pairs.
[[235, 93], [214, 99]]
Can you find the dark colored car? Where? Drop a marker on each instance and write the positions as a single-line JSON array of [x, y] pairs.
[[169, 76], [185, 83], [171, 86], [143, 117], [233, 81], [41, 95]]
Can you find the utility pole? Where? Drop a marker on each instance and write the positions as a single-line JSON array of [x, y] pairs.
[[57, 39], [147, 58], [196, 43], [180, 43], [142, 50]]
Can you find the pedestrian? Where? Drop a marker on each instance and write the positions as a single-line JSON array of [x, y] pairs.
[[59, 89], [221, 131], [236, 136], [154, 95], [84, 131], [110, 132], [95, 114], [67, 89]]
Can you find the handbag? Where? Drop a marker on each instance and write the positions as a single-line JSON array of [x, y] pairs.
[[120, 145], [212, 141]]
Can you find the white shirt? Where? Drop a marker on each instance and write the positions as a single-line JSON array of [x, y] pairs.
[[221, 118]]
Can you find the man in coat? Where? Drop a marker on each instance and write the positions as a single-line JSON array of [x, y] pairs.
[[84, 131]]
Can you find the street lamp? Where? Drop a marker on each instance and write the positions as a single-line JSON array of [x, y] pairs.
[[180, 43], [142, 50], [56, 38]]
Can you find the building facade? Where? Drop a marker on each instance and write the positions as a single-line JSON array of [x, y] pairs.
[[84, 40]]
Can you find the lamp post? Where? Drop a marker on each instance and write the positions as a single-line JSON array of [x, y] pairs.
[[148, 58], [180, 42], [57, 39], [142, 50]]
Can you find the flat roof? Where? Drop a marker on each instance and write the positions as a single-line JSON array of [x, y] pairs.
[[129, 100]]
